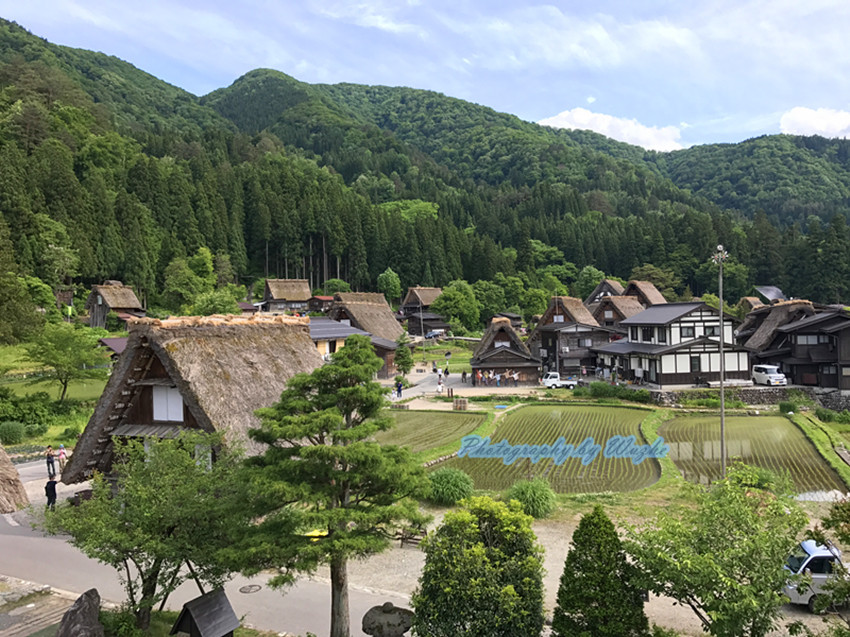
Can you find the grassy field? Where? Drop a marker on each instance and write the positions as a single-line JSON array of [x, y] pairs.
[[458, 361], [11, 360], [77, 390], [544, 424], [772, 442], [422, 430]]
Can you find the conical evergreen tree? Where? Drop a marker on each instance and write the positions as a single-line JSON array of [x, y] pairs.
[[598, 596]]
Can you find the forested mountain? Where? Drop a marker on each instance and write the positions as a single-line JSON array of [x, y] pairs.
[[108, 172]]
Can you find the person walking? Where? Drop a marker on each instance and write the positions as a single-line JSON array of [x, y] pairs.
[[50, 492], [63, 456], [463, 376], [50, 456]]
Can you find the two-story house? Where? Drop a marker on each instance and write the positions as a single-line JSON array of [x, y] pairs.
[[818, 350], [286, 295], [675, 344], [565, 335]]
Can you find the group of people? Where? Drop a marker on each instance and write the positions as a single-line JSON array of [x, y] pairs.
[[53, 458], [488, 377]]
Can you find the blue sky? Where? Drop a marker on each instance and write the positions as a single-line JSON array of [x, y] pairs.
[[661, 74]]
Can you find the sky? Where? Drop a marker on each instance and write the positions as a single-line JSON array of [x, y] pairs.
[[661, 74]]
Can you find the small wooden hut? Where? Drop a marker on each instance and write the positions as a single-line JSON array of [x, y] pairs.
[[501, 352], [207, 373], [112, 296]]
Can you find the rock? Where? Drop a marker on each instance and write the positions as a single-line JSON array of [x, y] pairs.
[[387, 620], [13, 496], [81, 620]]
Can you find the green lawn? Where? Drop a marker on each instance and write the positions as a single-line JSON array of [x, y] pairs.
[[78, 390], [11, 360], [458, 361], [422, 430], [543, 425], [772, 442]]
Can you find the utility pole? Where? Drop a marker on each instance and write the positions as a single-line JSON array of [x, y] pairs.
[[719, 257]]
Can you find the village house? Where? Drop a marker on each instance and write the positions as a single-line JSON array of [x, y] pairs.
[[612, 310], [501, 352], [423, 323], [286, 295], [818, 350], [419, 299], [758, 333], [367, 311], [329, 337], [320, 303], [605, 288], [564, 336], [193, 373], [645, 292], [112, 296], [674, 344]]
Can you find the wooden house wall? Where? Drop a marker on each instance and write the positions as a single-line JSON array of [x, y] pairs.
[[98, 312]]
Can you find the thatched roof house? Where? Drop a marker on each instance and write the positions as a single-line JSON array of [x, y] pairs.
[[207, 373], [501, 351], [419, 299], [759, 333], [281, 295], [368, 311], [645, 292], [750, 303], [112, 296], [613, 309], [605, 288], [13, 496]]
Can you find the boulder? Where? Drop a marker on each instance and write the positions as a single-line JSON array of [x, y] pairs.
[[81, 620], [387, 620], [12, 493]]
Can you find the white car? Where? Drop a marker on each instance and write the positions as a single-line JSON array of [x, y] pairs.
[[553, 380], [816, 561], [768, 375]]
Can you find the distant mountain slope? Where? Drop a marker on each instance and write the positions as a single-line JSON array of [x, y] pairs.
[[137, 100], [789, 177]]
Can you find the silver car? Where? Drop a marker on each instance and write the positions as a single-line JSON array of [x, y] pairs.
[[816, 561]]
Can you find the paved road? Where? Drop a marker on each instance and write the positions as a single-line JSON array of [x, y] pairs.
[[30, 555]]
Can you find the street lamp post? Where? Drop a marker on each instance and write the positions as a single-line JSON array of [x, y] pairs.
[[719, 257]]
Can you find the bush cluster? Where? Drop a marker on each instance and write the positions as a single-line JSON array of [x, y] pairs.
[[34, 411], [449, 486], [828, 415], [536, 497], [787, 407], [11, 433], [598, 389]]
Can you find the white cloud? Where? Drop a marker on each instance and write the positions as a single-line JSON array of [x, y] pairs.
[[591, 99], [809, 121], [625, 130]]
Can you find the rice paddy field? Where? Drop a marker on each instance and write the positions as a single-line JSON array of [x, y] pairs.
[[772, 442], [544, 424], [422, 430]]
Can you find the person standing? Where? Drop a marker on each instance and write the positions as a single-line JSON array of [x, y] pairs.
[[398, 388], [62, 458], [516, 378], [50, 456], [50, 492], [463, 376]]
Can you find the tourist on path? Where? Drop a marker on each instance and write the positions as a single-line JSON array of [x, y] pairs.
[[50, 455], [50, 492]]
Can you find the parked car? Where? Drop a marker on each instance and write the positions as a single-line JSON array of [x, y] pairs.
[[768, 375], [813, 560], [553, 380], [435, 333]]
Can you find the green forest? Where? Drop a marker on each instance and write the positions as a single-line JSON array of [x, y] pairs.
[[110, 173]]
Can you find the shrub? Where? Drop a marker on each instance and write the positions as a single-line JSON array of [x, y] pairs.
[[70, 434], [581, 391], [825, 415], [844, 417], [536, 496], [786, 407], [598, 389], [35, 429], [11, 432], [449, 486], [639, 395]]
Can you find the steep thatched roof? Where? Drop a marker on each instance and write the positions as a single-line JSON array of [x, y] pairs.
[[288, 290], [645, 290], [116, 296], [225, 367], [421, 296], [750, 302], [763, 321], [368, 311], [626, 306], [572, 309], [501, 326], [13, 496], [606, 287]]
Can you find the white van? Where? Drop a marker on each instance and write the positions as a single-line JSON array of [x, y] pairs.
[[768, 375], [816, 561]]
